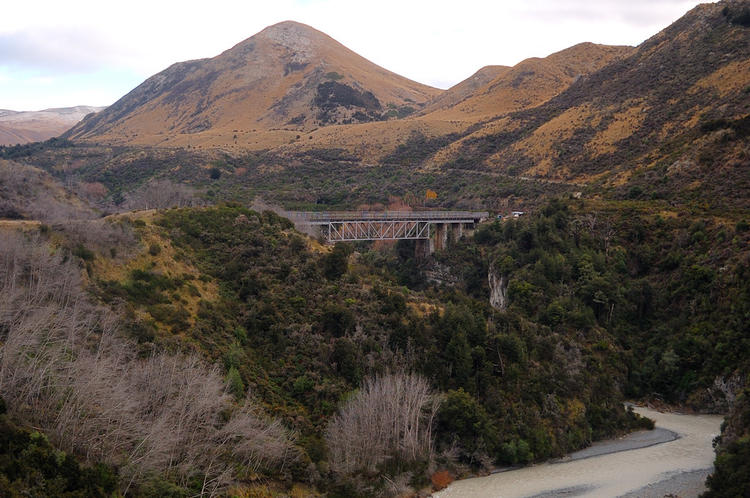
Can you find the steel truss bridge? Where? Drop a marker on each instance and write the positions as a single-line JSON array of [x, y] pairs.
[[435, 226]]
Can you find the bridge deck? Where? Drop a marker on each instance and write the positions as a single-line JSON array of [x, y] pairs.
[[326, 217]]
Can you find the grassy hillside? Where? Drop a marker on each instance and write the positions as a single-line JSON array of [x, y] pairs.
[[604, 299], [299, 326], [652, 119], [286, 80]]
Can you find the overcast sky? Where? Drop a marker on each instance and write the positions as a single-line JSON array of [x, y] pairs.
[[91, 52]]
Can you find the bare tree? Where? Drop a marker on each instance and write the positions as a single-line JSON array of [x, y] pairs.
[[64, 368], [28, 192], [104, 235], [390, 417], [162, 194]]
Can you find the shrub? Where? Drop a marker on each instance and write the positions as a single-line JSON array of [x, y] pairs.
[[235, 384], [463, 420], [83, 253], [390, 418], [336, 263], [441, 479]]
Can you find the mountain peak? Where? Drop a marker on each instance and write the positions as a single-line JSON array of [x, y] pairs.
[[290, 25], [296, 37], [291, 34], [287, 79]]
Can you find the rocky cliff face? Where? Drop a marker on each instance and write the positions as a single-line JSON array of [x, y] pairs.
[[498, 290]]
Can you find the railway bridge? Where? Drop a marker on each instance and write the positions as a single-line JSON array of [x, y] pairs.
[[431, 229]]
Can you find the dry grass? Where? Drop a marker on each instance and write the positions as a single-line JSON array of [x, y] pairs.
[[624, 124], [252, 102], [167, 262], [727, 80]]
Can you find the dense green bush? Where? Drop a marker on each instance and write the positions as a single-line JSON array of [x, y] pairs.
[[731, 475], [464, 421], [589, 294], [30, 466]]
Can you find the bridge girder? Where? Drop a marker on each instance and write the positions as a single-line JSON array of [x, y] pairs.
[[343, 231], [342, 226]]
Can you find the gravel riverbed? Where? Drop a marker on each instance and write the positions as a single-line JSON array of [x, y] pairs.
[[674, 458]]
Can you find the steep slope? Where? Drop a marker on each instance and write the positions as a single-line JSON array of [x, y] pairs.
[[490, 92], [287, 76], [466, 88], [35, 126], [527, 84], [671, 117], [29, 193]]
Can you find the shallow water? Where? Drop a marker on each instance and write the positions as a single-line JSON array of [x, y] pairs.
[[613, 474]]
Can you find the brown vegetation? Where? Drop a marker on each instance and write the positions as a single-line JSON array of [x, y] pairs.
[[27, 192], [441, 479], [64, 368], [390, 418], [162, 194]]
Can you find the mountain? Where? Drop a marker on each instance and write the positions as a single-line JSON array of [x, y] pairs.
[[496, 90], [291, 80], [490, 92], [34, 126], [287, 79], [671, 116], [466, 88]]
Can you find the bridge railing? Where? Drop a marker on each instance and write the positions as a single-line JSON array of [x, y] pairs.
[[334, 216]]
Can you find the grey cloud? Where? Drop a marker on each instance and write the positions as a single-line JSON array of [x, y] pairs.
[[632, 12], [54, 51]]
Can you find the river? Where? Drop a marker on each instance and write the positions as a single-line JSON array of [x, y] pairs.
[[612, 468]]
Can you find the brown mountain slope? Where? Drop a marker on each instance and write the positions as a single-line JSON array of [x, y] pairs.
[[673, 114], [289, 76], [491, 92], [530, 82], [12, 135], [33, 126], [29, 193], [465, 88]]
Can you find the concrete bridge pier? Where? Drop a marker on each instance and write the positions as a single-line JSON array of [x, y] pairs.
[[441, 236], [457, 231], [423, 248]]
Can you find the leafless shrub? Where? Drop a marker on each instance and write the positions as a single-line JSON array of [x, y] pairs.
[[32, 193], [391, 417], [92, 191], [399, 485], [101, 235], [162, 194], [64, 368]]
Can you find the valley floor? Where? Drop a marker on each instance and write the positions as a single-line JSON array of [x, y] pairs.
[[655, 468]]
